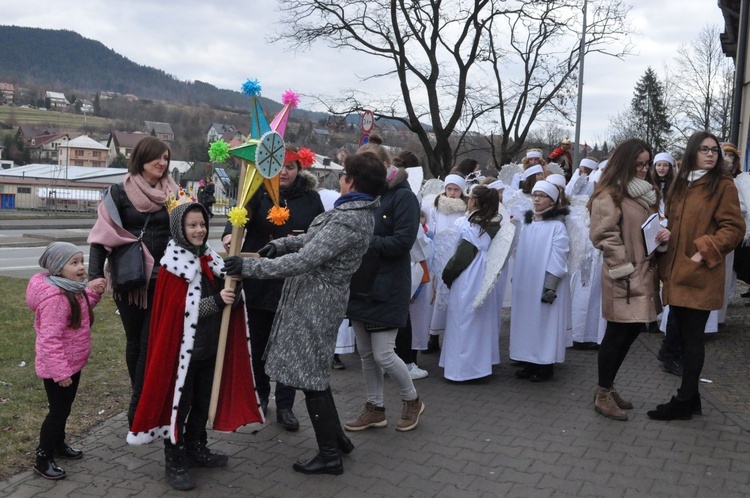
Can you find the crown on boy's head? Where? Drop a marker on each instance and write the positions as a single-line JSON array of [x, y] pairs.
[[175, 200]]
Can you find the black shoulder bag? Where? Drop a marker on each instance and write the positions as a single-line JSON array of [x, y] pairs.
[[126, 265]]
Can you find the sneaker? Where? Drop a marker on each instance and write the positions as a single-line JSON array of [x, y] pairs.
[[410, 415], [337, 363], [415, 372], [371, 416]]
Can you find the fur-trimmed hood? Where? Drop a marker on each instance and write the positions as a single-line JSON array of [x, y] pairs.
[[401, 176], [305, 182], [447, 205], [552, 214]]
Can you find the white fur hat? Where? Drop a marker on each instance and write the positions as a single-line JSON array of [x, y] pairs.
[[457, 180], [547, 188], [664, 156]]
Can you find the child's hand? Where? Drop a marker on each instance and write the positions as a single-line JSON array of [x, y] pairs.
[[97, 285], [227, 295], [65, 382]]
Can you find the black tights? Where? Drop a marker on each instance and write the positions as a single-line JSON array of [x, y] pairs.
[[691, 325], [60, 399], [614, 347]]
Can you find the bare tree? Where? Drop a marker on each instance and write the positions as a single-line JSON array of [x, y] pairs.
[[704, 87], [461, 64]]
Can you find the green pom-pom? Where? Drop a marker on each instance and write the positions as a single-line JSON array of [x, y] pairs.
[[219, 151]]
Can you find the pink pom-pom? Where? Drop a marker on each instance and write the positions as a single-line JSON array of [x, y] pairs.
[[291, 98]]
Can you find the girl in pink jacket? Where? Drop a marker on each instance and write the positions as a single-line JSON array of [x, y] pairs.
[[62, 300]]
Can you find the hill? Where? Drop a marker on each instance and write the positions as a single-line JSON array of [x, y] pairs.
[[66, 61]]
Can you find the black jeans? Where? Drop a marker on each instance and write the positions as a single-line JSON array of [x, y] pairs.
[[259, 325], [192, 413], [60, 399], [614, 347], [403, 344], [691, 325], [136, 322], [670, 347]]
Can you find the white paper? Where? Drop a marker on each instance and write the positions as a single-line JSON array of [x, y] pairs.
[[650, 228]]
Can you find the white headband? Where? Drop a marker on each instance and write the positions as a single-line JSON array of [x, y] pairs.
[[533, 170], [533, 153], [497, 185], [547, 188], [664, 156], [589, 163], [457, 180], [556, 179], [603, 164]]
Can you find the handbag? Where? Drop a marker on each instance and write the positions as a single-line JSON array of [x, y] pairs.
[[126, 265]]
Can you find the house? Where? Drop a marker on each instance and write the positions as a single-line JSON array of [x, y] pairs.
[[122, 142], [84, 151], [7, 93], [56, 99], [321, 136], [233, 138], [162, 131], [217, 130], [45, 148], [27, 132]]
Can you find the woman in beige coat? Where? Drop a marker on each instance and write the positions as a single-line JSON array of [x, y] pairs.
[[623, 200], [703, 210]]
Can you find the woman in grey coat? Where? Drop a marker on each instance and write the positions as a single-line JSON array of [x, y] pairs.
[[318, 267]]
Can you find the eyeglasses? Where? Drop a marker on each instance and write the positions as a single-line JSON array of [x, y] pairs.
[[540, 196], [705, 150], [642, 165]]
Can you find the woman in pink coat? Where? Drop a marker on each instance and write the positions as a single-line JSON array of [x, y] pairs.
[[62, 301]]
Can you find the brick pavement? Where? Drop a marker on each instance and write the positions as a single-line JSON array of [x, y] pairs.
[[496, 437]]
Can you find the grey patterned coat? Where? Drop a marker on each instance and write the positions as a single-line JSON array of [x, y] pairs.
[[318, 267]]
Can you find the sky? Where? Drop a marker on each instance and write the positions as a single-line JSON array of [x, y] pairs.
[[224, 43]]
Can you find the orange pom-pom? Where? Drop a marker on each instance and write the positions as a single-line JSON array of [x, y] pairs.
[[278, 215], [306, 157]]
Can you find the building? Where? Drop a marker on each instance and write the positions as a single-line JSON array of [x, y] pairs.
[[122, 142], [84, 151], [217, 130], [57, 100], [45, 148], [162, 131], [27, 132], [734, 43], [7, 93]]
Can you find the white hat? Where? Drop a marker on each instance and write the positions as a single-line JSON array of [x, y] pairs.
[[547, 188], [556, 179], [664, 156], [589, 163], [457, 180], [533, 170], [531, 153], [498, 185], [603, 164]]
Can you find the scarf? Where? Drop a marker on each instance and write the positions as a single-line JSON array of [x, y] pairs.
[[147, 198], [205, 259], [447, 205], [696, 174], [66, 284], [642, 192], [53, 259], [352, 196]]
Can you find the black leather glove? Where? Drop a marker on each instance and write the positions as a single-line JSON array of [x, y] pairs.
[[232, 265], [548, 296], [268, 251]]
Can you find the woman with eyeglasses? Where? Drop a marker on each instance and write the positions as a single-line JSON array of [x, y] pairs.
[[703, 210], [623, 200]]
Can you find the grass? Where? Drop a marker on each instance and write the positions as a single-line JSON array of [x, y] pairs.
[[62, 120], [104, 390]]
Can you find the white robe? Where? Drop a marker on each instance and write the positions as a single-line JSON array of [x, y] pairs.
[[538, 331], [444, 236], [470, 344]]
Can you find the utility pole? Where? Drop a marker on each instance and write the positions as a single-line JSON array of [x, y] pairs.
[[582, 51]]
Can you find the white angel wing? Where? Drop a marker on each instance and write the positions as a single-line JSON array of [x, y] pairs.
[[497, 256], [507, 173], [443, 247], [577, 224], [554, 168], [433, 186]]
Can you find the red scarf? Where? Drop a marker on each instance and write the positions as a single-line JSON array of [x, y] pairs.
[[206, 269]]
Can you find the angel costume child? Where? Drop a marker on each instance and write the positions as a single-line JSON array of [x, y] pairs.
[[182, 350], [541, 291], [449, 207], [470, 344]]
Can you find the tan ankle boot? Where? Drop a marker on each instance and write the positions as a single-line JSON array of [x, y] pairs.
[[621, 403], [605, 404]]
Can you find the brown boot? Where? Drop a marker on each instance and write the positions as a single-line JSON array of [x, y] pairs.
[[621, 403], [410, 415], [605, 404], [371, 416]]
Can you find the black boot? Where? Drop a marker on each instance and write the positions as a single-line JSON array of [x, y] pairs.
[[695, 405], [46, 467], [433, 345], [323, 418], [342, 440], [198, 454], [176, 467], [543, 373], [676, 409], [65, 451]]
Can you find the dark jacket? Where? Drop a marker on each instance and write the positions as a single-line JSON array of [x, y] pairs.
[[304, 205], [396, 225], [156, 236]]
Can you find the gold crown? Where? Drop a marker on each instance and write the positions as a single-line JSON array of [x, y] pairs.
[[181, 198]]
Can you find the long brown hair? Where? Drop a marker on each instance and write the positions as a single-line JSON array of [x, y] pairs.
[[690, 164], [76, 316], [620, 170], [488, 201]]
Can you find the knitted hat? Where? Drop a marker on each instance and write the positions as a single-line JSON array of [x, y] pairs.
[[202, 183], [177, 223], [664, 156], [547, 188], [457, 180], [53, 258]]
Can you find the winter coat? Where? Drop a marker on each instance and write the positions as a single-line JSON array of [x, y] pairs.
[[318, 267], [396, 225], [155, 238], [709, 224], [304, 205], [630, 282], [61, 351]]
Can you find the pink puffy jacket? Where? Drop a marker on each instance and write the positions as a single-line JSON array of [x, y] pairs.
[[60, 350]]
